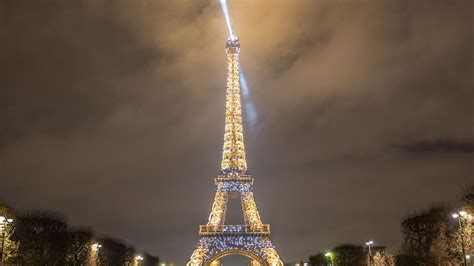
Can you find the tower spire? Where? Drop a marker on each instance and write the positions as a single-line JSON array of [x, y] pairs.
[[233, 154]]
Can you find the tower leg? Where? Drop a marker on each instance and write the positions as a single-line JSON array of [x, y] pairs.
[[251, 214], [219, 206], [197, 258]]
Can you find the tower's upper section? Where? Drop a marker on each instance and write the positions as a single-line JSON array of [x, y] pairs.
[[233, 155], [232, 42]]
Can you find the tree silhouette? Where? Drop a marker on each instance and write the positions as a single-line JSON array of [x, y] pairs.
[[150, 260], [349, 255], [79, 243], [427, 237], [114, 252], [43, 238], [318, 260]]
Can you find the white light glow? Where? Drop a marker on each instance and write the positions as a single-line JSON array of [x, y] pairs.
[[96, 246], [225, 10], [249, 106]]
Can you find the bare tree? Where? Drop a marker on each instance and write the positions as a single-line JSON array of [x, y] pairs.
[[79, 243], [427, 238], [383, 258]]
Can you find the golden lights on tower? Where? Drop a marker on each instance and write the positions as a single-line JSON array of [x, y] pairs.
[[233, 155]]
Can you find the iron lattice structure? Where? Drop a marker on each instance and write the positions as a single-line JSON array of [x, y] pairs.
[[253, 238]]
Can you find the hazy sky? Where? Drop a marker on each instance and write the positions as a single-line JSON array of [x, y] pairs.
[[112, 112]]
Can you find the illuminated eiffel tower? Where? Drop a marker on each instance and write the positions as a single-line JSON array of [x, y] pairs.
[[253, 238]]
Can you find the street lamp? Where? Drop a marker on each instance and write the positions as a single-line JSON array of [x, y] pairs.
[[4, 221], [459, 216], [139, 259], [369, 244], [328, 257], [96, 246], [95, 252]]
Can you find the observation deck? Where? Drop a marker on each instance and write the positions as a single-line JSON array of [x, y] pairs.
[[234, 230], [239, 184], [233, 45], [233, 41], [241, 178]]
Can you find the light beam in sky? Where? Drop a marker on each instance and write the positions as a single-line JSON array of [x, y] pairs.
[[249, 106], [225, 10]]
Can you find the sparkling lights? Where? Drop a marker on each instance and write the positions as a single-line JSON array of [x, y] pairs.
[[251, 215], [233, 186], [216, 238], [209, 247], [218, 209], [233, 155]]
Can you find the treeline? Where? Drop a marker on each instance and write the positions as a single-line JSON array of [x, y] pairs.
[[440, 235], [45, 238], [434, 237], [352, 255]]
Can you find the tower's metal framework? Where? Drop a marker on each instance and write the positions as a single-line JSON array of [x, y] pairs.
[[253, 238]]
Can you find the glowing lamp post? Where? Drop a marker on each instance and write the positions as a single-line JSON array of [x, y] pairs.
[[95, 252], [139, 259], [3, 223], [328, 257], [460, 216], [369, 244], [96, 247]]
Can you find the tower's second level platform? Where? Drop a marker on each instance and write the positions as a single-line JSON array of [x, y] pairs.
[[234, 230]]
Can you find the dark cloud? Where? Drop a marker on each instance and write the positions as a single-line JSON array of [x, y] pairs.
[[113, 113], [440, 145], [63, 67]]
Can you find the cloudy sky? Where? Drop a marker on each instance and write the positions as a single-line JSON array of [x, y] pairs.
[[112, 112]]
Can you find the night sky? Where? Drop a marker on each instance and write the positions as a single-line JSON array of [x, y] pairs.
[[112, 112]]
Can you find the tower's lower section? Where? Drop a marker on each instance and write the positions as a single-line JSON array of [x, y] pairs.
[[218, 240], [257, 247]]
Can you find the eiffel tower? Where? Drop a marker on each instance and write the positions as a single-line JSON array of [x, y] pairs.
[[216, 238]]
